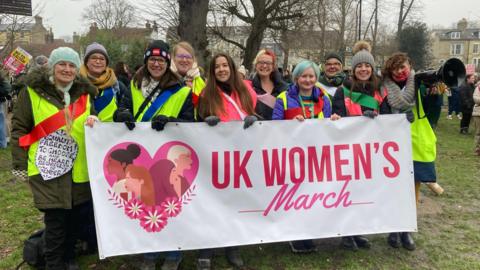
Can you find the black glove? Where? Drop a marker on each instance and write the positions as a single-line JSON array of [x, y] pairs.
[[159, 122], [370, 113], [410, 116], [212, 120], [249, 120], [127, 118]]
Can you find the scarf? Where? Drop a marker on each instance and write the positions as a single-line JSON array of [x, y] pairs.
[[66, 99], [107, 79], [401, 100], [148, 86], [336, 80]]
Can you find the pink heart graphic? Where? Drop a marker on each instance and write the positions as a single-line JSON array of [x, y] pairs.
[[151, 189]]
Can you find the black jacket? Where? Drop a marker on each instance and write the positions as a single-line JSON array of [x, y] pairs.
[[278, 87], [466, 97]]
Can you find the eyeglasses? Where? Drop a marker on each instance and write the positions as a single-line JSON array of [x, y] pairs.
[[264, 63], [97, 58], [159, 60], [184, 56], [336, 64]]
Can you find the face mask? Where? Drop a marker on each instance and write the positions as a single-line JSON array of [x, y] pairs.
[[402, 76]]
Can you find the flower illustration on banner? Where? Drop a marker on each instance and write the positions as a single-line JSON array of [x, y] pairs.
[[153, 219], [172, 206], [134, 209]]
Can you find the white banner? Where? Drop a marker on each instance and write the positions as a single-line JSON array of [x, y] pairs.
[[192, 186]]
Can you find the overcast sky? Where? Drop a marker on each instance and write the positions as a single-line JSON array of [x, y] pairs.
[[65, 16]]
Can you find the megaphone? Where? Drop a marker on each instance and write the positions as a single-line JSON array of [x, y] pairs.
[[452, 73]]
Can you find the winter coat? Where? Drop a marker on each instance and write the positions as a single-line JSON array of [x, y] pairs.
[[466, 97], [59, 192], [5, 88], [278, 87], [293, 101], [476, 99], [338, 102]]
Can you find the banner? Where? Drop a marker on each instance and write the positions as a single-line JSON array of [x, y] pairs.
[[193, 186], [17, 60]]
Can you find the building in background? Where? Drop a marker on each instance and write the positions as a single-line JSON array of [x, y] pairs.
[[461, 42]]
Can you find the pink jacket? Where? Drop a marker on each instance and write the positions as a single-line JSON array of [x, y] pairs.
[[231, 113]]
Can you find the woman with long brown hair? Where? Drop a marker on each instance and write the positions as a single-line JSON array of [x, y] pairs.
[[225, 98]]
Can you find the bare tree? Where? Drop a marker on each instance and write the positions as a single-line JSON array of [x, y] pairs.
[[15, 25], [258, 15], [405, 8], [110, 14], [342, 15]]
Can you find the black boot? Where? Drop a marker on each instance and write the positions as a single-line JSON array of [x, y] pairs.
[[394, 239], [362, 241], [407, 241], [349, 243]]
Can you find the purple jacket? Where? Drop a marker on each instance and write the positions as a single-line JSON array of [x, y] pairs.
[[293, 101]]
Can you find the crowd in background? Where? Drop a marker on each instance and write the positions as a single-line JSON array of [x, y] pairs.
[[170, 87]]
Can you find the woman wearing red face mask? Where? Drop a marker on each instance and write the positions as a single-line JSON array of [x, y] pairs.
[[403, 97]]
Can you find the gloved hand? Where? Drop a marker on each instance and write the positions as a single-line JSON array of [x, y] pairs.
[[212, 120], [159, 122], [127, 118], [21, 175], [370, 113], [249, 120], [410, 116]]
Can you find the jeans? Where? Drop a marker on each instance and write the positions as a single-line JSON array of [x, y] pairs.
[[454, 102], [3, 135]]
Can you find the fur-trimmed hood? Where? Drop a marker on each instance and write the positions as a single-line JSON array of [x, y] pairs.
[[38, 80]]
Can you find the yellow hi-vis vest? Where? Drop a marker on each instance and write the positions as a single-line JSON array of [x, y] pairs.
[[42, 109], [170, 108], [424, 141], [197, 85]]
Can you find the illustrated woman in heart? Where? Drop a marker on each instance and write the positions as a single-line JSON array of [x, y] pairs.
[[182, 158], [118, 161], [139, 182]]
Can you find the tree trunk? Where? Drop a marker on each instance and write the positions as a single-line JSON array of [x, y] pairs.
[[192, 26], [254, 41]]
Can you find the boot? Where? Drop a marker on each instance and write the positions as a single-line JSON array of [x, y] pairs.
[[233, 257], [394, 239], [362, 241], [407, 241], [349, 243], [436, 188]]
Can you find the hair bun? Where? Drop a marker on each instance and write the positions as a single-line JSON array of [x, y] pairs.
[[362, 45], [134, 150]]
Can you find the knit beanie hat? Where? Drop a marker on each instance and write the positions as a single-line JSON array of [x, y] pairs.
[[331, 55], [362, 50], [64, 54], [157, 48], [95, 48]]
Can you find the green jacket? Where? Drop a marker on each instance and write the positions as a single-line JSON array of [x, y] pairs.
[[60, 192]]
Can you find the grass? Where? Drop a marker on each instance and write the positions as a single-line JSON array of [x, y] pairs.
[[448, 238]]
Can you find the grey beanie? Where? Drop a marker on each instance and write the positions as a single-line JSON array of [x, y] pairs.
[[362, 51], [95, 48]]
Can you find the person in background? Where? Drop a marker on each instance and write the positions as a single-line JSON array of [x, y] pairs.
[[453, 102], [41, 61], [122, 72], [476, 118], [267, 82], [287, 77], [466, 102], [433, 102], [333, 75], [110, 90], [186, 66], [226, 97], [5, 89], [57, 91], [243, 72], [360, 95]]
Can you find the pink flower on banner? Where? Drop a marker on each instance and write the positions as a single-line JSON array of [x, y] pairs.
[[134, 209], [172, 206], [153, 219]]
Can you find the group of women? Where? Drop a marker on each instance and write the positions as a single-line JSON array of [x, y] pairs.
[[169, 88]]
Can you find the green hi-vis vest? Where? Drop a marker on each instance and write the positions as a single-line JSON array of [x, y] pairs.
[[105, 114], [42, 109], [197, 85], [318, 111], [170, 108], [424, 141]]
